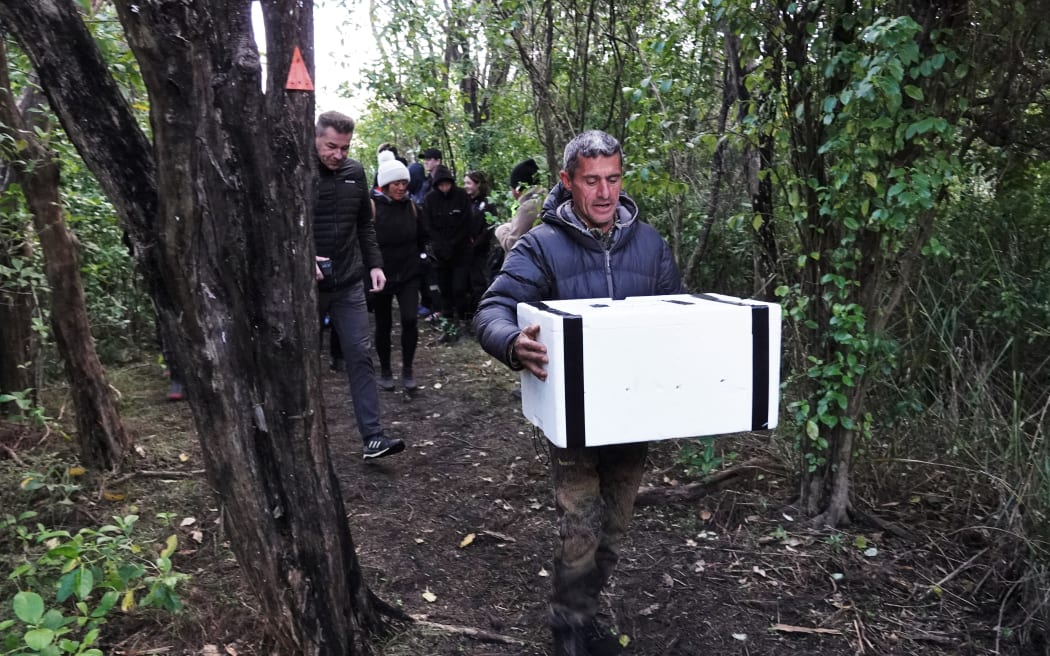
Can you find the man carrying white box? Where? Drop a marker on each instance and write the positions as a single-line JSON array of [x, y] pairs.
[[591, 245]]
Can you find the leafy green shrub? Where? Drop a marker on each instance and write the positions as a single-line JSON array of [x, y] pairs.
[[28, 411], [699, 457], [68, 584], [57, 482]]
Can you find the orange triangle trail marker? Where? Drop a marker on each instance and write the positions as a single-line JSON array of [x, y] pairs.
[[298, 76]]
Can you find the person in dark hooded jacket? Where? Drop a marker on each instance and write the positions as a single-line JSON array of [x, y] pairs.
[[449, 217], [591, 244]]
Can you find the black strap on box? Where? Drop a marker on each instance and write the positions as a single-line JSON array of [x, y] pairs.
[[759, 359], [572, 343]]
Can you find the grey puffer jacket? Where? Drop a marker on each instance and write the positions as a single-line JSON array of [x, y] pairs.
[[343, 227], [561, 259]]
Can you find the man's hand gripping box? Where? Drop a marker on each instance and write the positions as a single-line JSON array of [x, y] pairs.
[[653, 368]]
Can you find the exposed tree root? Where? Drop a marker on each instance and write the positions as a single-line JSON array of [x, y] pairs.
[[477, 634], [712, 483], [149, 473], [12, 455], [386, 610], [872, 518]]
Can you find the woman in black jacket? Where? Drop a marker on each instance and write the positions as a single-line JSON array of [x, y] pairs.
[[402, 241]]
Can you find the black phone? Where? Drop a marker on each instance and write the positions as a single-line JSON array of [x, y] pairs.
[[325, 266]]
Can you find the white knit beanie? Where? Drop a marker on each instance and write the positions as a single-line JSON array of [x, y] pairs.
[[390, 170]]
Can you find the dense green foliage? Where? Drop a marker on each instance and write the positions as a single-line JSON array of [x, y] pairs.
[[120, 310], [66, 584]]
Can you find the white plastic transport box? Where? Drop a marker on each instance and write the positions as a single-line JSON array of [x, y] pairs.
[[653, 368]]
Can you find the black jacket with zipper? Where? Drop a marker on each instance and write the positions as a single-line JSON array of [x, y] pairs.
[[344, 230]]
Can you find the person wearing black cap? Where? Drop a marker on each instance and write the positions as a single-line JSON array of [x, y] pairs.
[[431, 160], [525, 187], [449, 218]]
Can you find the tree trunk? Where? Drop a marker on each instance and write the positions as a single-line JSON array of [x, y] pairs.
[[17, 306], [17, 302], [101, 436], [731, 87], [220, 211], [534, 43], [766, 254]]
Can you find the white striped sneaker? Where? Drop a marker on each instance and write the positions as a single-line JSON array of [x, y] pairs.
[[381, 445]]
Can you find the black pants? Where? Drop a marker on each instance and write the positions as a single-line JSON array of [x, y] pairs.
[[454, 282], [408, 308]]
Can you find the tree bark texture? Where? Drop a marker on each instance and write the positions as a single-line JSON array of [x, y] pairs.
[[17, 301], [101, 435], [730, 96], [17, 306], [220, 216], [534, 42]]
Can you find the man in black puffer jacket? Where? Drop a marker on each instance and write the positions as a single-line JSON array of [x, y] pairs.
[[345, 241], [590, 245]]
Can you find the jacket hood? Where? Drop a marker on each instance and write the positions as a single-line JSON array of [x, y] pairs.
[[441, 172], [557, 210]]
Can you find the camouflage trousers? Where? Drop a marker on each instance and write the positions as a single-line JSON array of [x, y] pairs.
[[594, 492]]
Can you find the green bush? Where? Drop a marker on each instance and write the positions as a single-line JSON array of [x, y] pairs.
[[68, 584]]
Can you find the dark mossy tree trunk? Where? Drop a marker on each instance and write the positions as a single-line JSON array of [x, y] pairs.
[[17, 304], [218, 210], [101, 435], [760, 175]]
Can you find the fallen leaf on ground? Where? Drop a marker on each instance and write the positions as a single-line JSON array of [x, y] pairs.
[[429, 596], [467, 540]]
